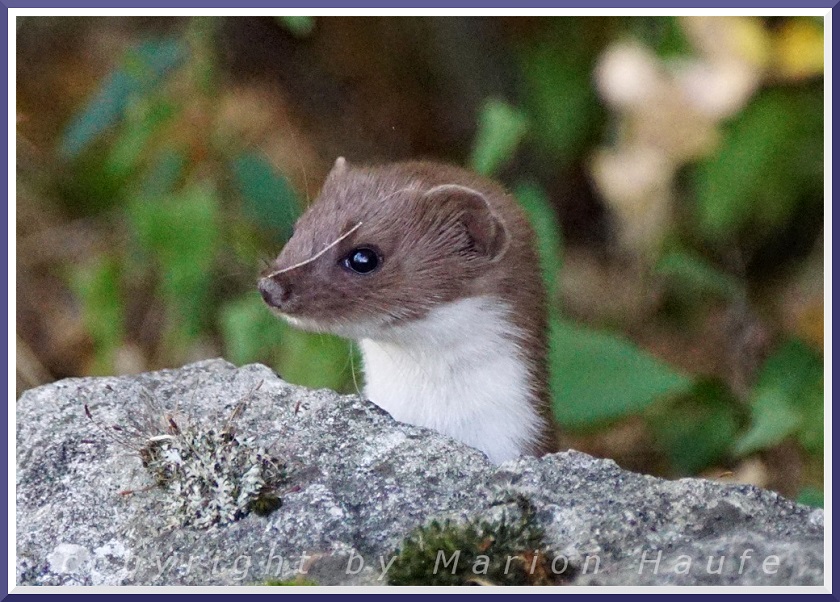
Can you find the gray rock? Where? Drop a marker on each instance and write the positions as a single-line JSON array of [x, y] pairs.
[[356, 483]]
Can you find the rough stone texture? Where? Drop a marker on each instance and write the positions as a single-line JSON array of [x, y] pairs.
[[358, 483]]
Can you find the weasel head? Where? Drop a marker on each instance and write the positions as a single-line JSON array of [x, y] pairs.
[[381, 246]]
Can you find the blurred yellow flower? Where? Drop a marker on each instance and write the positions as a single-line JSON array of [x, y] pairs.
[[799, 49]]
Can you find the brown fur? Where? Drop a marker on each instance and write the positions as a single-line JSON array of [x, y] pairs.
[[435, 248]]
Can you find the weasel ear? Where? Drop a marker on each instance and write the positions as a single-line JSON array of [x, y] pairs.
[[338, 168], [486, 229]]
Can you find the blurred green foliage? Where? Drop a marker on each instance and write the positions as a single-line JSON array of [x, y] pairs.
[[182, 220], [200, 209], [141, 72], [269, 199], [97, 286], [559, 99], [547, 229], [500, 130], [696, 428], [598, 376], [662, 34], [787, 400], [811, 496], [769, 163], [250, 332], [696, 277], [179, 235]]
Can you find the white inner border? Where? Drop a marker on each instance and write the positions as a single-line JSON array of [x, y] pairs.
[[98, 12]]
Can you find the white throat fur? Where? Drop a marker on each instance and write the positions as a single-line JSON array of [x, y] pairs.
[[460, 371]]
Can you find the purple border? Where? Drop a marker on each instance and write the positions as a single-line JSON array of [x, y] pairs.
[[4, 45], [770, 4], [6, 4]]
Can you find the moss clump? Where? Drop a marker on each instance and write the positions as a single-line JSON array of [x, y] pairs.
[[509, 551], [265, 503], [295, 581], [213, 477]]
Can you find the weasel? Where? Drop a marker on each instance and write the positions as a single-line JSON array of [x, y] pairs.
[[433, 270]]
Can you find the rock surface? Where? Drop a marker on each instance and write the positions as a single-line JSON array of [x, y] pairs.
[[357, 483]]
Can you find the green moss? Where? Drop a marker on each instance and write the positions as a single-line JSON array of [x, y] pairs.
[[265, 504], [508, 551], [295, 581]]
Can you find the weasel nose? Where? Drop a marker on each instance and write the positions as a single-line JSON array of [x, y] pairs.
[[273, 292]]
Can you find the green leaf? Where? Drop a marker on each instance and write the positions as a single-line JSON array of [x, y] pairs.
[[501, 128], [663, 34], [249, 330], [697, 277], [811, 496], [181, 232], [786, 400], [90, 188], [202, 35], [142, 69], [269, 198], [770, 160], [164, 174], [598, 377], [791, 368], [251, 333], [98, 289], [316, 360], [299, 26], [774, 419], [696, 430], [547, 229], [560, 98], [129, 148], [812, 433]]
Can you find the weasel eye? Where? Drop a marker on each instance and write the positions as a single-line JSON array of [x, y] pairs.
[[362, 260]]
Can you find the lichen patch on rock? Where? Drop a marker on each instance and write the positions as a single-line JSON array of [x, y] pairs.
[[212, 477]]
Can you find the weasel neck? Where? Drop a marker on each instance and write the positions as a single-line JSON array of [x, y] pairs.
[[461, 371]]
